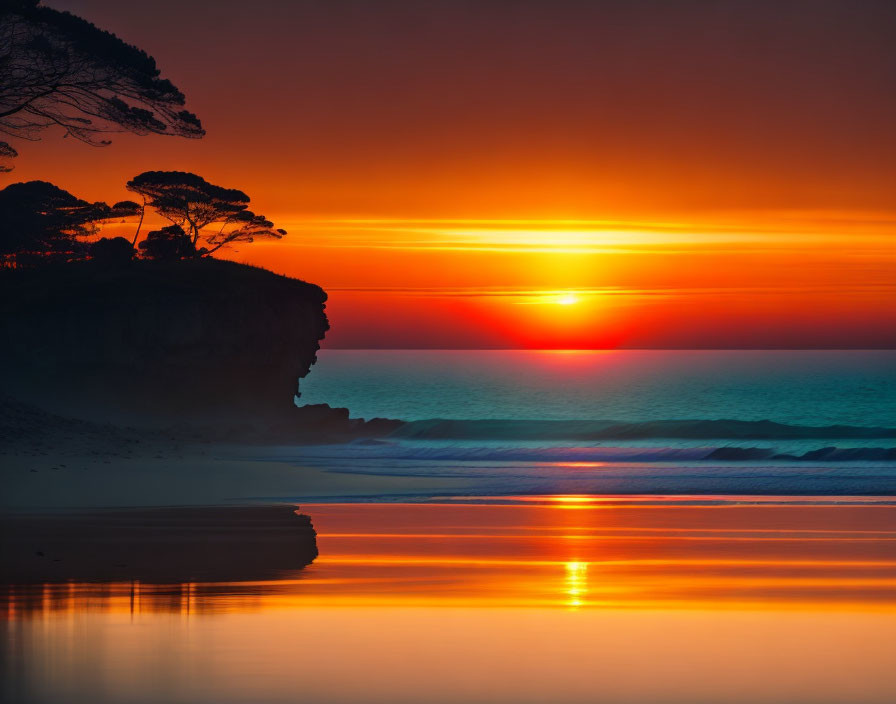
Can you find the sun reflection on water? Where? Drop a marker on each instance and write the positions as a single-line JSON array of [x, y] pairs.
[[576, 584], [538, 554]]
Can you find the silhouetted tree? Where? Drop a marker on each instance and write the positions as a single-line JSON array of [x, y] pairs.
[[59, 69], [244, 226], [188, 200], [39, 220], [192, 203], [168, 244], [138, 209], [112, 251], [7, 153], [124, 209]]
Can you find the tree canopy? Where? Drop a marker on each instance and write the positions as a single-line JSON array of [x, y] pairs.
[[40, 220], [245, 226], [7, 153], [193, 204], [59, 69], [168, 244]]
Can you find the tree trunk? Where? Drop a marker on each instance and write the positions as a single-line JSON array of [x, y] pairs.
[[139, 224]]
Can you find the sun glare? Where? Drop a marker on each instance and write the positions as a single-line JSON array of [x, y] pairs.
[[576, 583], [567, 299]]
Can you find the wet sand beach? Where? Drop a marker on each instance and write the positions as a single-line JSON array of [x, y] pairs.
[[649, 599]]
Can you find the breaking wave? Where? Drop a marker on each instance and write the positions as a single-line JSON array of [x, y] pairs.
[[489, 471], [459, 453], [601, 430]]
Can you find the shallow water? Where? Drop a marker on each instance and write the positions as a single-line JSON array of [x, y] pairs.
[[530, 599], [619, 422]]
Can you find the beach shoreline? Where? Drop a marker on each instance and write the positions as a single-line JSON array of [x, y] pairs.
[[202, 475]]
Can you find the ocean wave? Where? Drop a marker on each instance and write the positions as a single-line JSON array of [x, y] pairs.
[[600, 430], [571, 455], [608, 471]]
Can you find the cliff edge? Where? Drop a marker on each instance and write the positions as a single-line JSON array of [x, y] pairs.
[[201, 340]]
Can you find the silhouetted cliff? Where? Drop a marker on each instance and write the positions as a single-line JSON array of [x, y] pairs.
[[203, 340]]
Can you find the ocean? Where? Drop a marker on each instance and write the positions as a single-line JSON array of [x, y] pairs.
[[619, 422], [628, 527]]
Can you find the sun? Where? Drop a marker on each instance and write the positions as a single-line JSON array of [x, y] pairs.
[[567, 299]]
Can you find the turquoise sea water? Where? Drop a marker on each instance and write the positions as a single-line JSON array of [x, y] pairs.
[[800, 387], [620, 422]]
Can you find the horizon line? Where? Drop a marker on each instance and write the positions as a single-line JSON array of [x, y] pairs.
[[609, 349]]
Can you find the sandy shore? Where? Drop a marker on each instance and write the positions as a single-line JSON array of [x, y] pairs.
[[83, 501], [127, 505], [209, 475], [52, 463]]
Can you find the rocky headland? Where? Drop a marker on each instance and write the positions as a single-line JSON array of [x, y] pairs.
[[207, 347]]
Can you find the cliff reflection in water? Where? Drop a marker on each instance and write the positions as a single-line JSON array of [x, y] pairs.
[[153, 546], [187, 598], [565, 552]]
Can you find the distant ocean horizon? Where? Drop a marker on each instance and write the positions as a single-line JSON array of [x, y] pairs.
[[623, 421], [810, 387]]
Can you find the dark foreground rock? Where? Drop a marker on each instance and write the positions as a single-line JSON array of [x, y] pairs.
[[156, 545], [158, 342], [199, 350], [320, 422]]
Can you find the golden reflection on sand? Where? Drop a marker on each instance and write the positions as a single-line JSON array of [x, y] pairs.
[[621, 603], [543, 555]]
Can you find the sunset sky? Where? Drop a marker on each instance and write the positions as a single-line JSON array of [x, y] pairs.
[[564, 174]]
